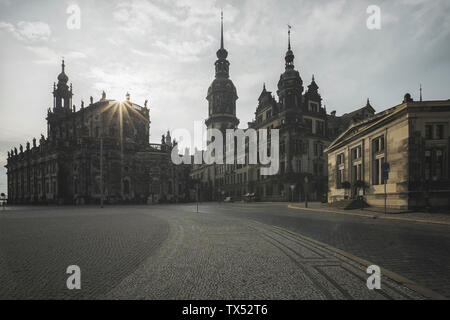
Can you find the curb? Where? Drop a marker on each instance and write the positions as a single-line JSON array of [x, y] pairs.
[[373, 216]]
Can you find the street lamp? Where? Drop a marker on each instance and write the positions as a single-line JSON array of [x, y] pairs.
[[196, 188], [306, 192], [218, 195], [385, 173], [101, 171]]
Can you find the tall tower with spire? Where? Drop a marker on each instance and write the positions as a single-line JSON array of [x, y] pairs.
[[62, 93], [290, 85], [222, 94], [62, 105]]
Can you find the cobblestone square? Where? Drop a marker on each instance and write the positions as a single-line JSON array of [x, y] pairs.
[[224, 251]]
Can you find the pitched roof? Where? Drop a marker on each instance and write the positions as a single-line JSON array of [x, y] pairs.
[[365, 124]]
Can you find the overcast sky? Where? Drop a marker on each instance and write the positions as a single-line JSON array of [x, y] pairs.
[[164, 51]]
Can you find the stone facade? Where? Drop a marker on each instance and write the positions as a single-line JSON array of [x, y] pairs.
[[64, 168], [413, 138], [304, 133]]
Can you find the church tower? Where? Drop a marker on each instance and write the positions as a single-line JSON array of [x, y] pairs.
[[62, 106], [290, 85], [222, 94], [62, 94]]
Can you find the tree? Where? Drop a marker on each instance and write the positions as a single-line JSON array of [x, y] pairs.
[[346, 185], [360, 184]]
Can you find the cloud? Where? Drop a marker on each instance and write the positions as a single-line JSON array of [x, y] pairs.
[[413, 2], [185, 51], [165, 51], [28, 31], [136, 17], [46, 55], [116, 80], [140, 17]]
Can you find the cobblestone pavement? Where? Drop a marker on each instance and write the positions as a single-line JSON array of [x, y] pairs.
[[417, 251], [172, 252], [211, 256], [37, 246]]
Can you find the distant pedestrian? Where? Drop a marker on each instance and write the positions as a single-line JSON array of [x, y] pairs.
[[3, 200]]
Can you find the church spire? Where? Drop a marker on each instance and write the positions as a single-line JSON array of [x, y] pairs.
[[63, 78], [289, 58], [221, 29], [222, 64], [289, 37]]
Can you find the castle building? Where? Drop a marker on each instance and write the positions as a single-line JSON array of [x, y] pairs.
[[104, 145], [400, 155], [304, 134]]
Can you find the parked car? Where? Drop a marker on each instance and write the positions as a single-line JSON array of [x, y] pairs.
[[249, 197], [228, 199]]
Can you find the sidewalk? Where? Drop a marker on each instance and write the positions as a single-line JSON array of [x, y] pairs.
[[378, 213]]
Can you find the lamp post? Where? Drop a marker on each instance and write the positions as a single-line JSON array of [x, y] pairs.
[[196, 188], [101, 172], [385, 173], [306, 192]]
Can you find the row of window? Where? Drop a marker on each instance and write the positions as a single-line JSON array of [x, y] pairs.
[[434, 167], [239, 178], [377, 159], [378, 176], [30, 188], [356, 152], [319, 129], [434, 131]]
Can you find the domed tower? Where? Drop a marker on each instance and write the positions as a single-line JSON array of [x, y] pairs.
[[290, 85], [62, 106], [222, 94], [62, 94]]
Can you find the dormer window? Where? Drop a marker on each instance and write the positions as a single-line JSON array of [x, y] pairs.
[[313, 106], [259, 119]]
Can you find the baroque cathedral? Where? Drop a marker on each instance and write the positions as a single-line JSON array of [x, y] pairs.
[[99, 150], [305, 130]]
